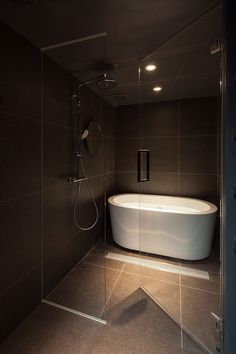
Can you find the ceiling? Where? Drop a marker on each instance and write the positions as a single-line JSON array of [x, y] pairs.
[[175, 35]]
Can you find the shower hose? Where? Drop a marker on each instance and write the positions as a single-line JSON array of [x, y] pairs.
[[76, 218]]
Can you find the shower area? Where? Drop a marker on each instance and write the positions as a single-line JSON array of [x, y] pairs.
[[112, 128]]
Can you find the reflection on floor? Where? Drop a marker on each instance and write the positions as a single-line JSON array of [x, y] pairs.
[[110, 289]]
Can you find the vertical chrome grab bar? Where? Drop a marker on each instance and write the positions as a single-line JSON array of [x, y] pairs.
[[143, 165]]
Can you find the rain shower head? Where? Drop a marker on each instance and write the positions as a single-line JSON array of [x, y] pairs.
[[106, 83]]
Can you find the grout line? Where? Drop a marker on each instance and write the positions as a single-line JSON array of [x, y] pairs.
[[23, 116], [189, 333], [67, 275], [2, 202], [171, 173], [165, 136], [18, 280], [104, 307], [151, 278]]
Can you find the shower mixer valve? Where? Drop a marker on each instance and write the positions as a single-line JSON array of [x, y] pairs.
[[76, 180]]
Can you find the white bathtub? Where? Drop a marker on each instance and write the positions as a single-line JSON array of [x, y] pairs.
[[169, 226]]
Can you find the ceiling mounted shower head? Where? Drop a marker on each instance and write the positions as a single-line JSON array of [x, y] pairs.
[[106, 83]]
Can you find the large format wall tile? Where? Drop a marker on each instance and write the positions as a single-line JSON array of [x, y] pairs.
[[127, 121], [160, 119], [58, 87], [20, 156], [198, 155], [161, 183], [198, 116], [126, 154], [58, 223], [18, 301], [20, 83], [126, 182], [163, 154], [20, 239], [59, 160], [199, 186]]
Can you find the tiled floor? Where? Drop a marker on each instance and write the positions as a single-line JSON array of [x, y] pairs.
[[111, 290]]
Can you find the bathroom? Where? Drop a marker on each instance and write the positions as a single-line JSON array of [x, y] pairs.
[[117, 205]]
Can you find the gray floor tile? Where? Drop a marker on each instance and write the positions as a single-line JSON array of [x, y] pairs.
[[85, 289], [104, 262], [202, 284], [152, 273], [197, 306]]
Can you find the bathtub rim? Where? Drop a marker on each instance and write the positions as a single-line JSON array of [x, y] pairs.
[[213, 208]]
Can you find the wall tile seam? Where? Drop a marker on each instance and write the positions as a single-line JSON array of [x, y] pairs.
[[62, 245], [67, 184], [169, 173], [67, 127], [23, 196], [22, 116], [164, 136], [20, 279]]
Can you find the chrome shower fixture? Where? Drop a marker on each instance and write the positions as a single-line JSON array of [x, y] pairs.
[[84, 134]]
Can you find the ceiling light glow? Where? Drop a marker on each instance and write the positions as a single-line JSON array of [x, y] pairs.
[[157, 88], [150, 67]]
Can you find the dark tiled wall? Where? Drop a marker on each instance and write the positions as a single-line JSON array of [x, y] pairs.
[[183, 139], [20, 154], [63, 244], [37, 153]]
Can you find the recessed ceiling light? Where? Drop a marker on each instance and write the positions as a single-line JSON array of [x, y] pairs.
[[157, 88], [150, 67]]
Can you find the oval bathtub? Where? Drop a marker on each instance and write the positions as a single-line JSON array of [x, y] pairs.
[[169, 226]]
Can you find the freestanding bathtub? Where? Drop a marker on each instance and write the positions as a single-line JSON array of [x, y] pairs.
[[169, 226]]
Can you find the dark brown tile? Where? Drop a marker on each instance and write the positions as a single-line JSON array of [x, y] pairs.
[[160, 119], [58, 265], [163, 154], [90, 108], [20, 239], [126, 154], [127, 121], [107, 120], [198, 116], [108, 155], [18, 301], [126, 183], [57, 94], [20, 156], [161, 183], [20, 87], [59, 160], [85, 240], [199, 186], [198, 155], [58, 222]]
